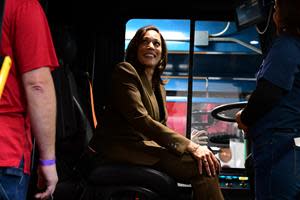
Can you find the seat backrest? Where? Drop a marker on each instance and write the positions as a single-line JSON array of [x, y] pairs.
[[73, 130]]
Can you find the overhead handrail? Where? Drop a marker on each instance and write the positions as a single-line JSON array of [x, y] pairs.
[[257, 50]]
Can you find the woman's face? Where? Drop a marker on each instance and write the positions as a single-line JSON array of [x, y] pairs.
[[150, 49]]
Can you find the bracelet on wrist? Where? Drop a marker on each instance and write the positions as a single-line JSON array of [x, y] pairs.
[[47, 162]]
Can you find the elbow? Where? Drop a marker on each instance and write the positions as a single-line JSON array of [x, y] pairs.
[[37, 81], [37, 88]]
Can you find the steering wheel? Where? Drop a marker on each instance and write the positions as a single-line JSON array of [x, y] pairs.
[[226, 112]]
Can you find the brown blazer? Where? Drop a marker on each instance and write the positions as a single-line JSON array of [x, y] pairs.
[[133, 127]]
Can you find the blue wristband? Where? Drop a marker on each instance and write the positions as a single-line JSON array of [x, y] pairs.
[[47, 162]]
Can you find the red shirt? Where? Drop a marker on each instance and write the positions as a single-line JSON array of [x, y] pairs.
[[26, 38]]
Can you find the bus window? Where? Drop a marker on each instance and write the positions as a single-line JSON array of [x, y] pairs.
[[225, 62]]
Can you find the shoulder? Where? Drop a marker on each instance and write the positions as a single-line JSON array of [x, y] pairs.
[[16, 10], [285, 46], [28, 3], [285, 42], [125, 73], [17, 5], [125, 68]]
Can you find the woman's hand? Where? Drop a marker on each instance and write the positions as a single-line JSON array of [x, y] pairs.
[[239, 121], [206, 159]]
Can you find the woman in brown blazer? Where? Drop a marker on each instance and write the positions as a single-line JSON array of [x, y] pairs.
[[133, 129]]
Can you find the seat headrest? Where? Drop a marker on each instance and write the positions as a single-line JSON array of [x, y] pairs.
[[66, 46]]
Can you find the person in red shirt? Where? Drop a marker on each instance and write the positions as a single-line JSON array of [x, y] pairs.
[[28, 102]]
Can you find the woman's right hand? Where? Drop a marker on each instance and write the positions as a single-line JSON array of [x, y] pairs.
[[239, 121], [206, 159]]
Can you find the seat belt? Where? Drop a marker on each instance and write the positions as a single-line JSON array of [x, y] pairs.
[[6, 60]]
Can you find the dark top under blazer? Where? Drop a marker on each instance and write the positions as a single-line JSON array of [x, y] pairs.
[[132, 129]]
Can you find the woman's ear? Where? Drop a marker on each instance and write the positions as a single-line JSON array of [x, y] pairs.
[[159, 64], [161, 61]]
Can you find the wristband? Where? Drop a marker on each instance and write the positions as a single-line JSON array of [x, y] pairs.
[[47, 162]]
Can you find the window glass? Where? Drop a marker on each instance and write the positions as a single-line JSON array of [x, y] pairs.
[[225, 63]]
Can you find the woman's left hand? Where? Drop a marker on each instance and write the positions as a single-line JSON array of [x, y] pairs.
[[206, 159]]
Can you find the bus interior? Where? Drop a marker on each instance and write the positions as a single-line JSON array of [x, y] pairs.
[[214, 51]]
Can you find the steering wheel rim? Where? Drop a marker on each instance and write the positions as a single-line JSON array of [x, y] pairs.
[[216, 112]]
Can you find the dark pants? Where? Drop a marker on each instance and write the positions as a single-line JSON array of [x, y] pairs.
[[277, 166]]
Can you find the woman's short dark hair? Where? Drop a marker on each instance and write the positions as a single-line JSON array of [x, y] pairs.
[[289, 17], [131, 53]]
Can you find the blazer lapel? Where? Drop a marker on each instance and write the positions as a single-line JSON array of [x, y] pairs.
[[164, 114], [151, 105]]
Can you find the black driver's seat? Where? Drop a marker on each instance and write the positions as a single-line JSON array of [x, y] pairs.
[[74, 131]]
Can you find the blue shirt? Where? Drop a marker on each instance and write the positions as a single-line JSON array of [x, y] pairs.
[[281, 68]]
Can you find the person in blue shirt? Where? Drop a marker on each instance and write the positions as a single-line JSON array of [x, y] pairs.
[[271, 118]]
